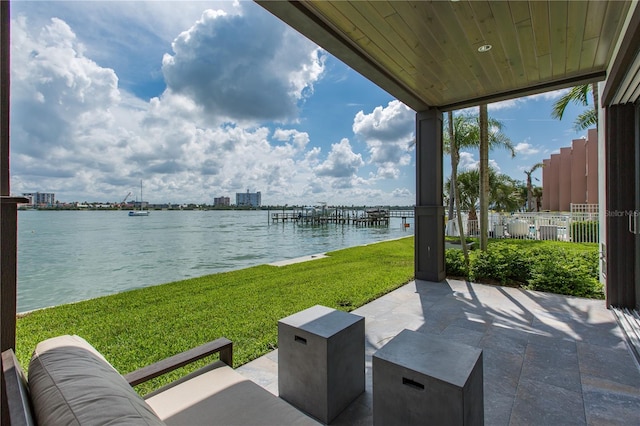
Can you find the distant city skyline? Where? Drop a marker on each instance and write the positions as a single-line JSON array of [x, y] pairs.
[[206, 99]]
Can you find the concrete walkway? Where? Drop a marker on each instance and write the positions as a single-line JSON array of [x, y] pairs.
[[548, 359]]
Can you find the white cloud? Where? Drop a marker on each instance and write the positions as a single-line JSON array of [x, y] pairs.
[[517, 102], [402, 193], [549, 96], [341, 162], [390, 123], [276, 69], [58, 94], [388, 132], [507, 104], [524, 148], [78, 133], [299, 139], [74, 127], [468, 162], [387, 172]]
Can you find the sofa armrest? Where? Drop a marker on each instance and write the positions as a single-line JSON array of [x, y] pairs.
[[17, 392], [222, 345]]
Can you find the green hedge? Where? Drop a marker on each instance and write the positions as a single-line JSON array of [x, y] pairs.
[[557, 267]]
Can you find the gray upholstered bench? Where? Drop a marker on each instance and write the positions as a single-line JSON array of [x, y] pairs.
[[71, 383]]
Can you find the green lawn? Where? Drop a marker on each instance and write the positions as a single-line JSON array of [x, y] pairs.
[[136, 328]]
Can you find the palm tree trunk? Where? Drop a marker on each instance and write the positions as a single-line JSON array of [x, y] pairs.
[[484, 177], [454, 164], [454, 192], [529, 194]]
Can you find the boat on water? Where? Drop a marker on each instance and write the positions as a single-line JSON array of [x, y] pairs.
[[139, 212], [377, 213]]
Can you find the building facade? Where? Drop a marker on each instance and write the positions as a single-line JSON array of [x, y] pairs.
[[248, 199], [40, 198], [571, 177], [221, 201]]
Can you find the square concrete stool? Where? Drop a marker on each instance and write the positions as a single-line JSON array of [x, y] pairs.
[[321, 360], [421, 379]]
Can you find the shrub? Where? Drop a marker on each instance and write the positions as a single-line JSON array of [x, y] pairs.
[[502, 262], [551, 266], [572, 274], [455, 265]]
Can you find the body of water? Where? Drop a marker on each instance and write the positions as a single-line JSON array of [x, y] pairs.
[[68, 256]]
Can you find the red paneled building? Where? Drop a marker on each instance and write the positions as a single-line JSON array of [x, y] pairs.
[[571, 177]]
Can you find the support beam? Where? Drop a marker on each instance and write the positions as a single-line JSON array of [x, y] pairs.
[[429, 216], [7, 210], [6, 318]]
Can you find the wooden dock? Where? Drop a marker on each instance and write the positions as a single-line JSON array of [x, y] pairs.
[[342, 216]]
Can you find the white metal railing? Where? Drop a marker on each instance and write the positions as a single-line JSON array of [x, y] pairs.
[[576, 226], [585, 223]]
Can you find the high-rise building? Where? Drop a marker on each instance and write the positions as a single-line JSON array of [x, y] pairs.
[[248, 199], [40, 198], [571, 176], [221, 201]]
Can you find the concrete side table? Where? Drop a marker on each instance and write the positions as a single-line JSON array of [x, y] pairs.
[[321, 360], [421, 379]]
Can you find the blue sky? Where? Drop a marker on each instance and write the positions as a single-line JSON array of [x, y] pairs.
[[206, 99]]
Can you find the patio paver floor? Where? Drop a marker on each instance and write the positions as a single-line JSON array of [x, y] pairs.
[[548, 359]]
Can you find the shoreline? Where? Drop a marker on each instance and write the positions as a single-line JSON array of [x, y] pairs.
[[279, 264]]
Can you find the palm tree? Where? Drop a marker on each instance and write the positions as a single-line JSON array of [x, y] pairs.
[[491, 136], [468, 186], [579, 95], [529, 185], [537, 194], [465, 134], [454, 192], [505, 192], [462, 133]]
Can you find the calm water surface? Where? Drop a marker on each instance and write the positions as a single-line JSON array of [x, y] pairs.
[[69, 256]]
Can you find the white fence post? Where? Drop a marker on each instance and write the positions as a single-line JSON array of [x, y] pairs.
[[579, 225], [584, 226]]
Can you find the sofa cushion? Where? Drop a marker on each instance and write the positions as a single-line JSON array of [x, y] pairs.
[[218, 395], [71, 383]]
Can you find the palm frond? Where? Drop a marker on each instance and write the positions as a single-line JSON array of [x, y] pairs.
[[577, 94], [587, 119], [535, 167]]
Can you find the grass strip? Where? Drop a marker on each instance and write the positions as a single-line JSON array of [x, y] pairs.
[[136, 328]]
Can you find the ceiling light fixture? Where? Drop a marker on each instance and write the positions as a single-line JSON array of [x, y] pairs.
[[484, 48]]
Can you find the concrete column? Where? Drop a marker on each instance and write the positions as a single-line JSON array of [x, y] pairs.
[[592, 166], [554, 183], [578, 171], [564, 180], [546, 183], [429, 216]]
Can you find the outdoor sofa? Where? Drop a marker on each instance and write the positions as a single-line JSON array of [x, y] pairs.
[[71, 383]]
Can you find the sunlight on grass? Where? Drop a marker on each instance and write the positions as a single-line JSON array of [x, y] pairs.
[[135, 328]]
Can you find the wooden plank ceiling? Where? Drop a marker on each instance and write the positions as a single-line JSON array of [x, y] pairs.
[[425, 53]]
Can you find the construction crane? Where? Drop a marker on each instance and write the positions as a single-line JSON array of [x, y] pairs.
[[125, 199]]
